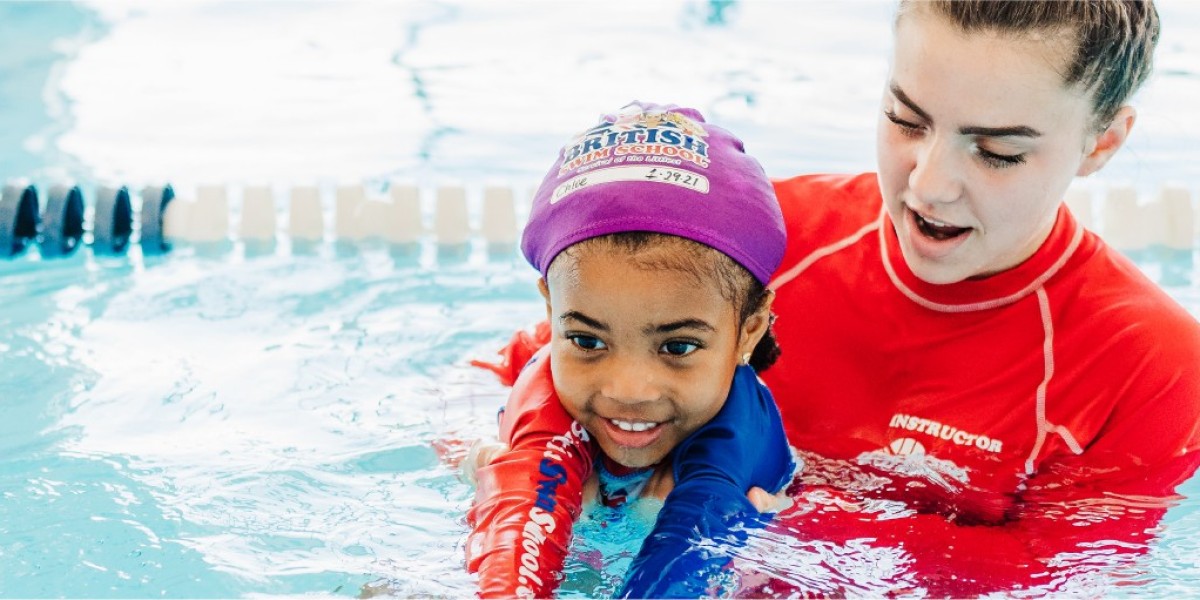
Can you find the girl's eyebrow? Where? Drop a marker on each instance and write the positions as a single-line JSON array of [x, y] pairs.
[[1018, 130], [574, 315], [677, 325]]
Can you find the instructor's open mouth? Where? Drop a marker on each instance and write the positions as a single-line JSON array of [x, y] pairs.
[[938, 230]]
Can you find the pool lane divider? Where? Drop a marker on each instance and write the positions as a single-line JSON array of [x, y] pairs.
[[59, 223], [207, 217]]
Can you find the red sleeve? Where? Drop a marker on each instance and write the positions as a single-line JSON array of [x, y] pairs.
[[517, 353], [528, 497]]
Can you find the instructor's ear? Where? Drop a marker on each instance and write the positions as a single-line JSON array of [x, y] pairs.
[[1106, 143], [544, 290]]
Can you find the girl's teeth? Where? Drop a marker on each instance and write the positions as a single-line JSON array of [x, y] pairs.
[[633, 426]]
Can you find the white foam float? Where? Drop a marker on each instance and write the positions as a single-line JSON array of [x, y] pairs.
[[1123, 222], [306, 222], [403, 222], [258, 214], [208, 220], [347, 202], [1079, 201], [451, 226], [176, 216], [1179, 218], [499, 222]]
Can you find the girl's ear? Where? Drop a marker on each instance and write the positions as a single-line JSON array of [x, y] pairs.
[[544, 290], [1107, 142], [756, 325]]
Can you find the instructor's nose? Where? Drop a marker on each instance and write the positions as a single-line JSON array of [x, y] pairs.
[[935, 175]]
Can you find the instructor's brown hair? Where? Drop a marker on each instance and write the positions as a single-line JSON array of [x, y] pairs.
[[1113, 40]]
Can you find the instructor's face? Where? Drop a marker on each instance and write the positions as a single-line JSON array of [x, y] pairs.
[[978, 140]]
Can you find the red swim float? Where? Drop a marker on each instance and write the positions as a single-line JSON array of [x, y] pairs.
[[520, 531]]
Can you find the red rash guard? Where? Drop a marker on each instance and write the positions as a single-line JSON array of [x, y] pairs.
[[1014, 401]]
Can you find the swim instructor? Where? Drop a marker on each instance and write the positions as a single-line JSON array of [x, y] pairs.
[[974, 381], [953, 335]]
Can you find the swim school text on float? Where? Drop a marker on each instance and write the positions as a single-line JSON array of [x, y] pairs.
[[657, 142], [539, 522]]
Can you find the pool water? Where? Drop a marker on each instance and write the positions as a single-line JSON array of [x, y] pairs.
[[216, 422], [200, 427], [196, 425]]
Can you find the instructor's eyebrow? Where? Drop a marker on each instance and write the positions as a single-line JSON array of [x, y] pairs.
[[976, 130], [905, 100], [574, 315], [1019, 130]]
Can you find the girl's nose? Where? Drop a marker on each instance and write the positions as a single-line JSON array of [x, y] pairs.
[[935, 176], [630, 382]]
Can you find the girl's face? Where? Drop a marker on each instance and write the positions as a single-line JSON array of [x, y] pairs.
[[640, 357], [978, 140]]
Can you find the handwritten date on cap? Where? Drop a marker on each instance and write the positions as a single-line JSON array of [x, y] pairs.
[[677, 177]]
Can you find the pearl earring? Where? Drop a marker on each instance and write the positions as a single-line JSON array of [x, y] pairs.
[[746, 358]]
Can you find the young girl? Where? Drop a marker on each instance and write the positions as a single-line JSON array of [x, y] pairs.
[[655, 235]]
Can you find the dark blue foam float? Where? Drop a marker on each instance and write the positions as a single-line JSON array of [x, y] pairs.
[[112, 220], [62, 222], [59, 229], [154, 206], [18, 218]]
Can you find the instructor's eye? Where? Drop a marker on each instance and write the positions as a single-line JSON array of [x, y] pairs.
[[587, 342], [679, 348]]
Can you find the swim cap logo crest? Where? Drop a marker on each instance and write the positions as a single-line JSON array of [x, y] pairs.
[[637, 144], [636, 135]]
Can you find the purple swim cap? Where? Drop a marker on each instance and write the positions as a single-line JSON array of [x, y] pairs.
[[662, 169]]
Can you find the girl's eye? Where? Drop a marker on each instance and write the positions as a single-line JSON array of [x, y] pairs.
[[586, 342], [907, 129], [679, 348], [999, 161]]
